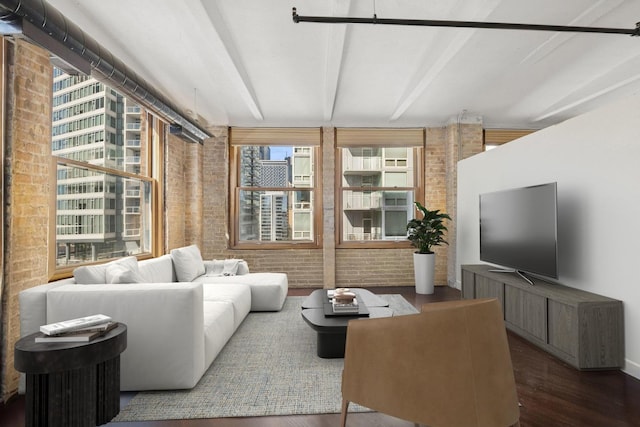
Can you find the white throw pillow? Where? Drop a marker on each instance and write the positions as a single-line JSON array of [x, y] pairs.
[[97, 274], [90, 274], [123, 273], [188, 263]]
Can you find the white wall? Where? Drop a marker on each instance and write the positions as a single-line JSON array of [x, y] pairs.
[[595, 159]]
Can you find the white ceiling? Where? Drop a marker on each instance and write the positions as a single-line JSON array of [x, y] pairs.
[[246, 63]]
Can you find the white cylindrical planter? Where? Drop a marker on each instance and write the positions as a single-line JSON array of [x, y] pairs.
[[424, 272]]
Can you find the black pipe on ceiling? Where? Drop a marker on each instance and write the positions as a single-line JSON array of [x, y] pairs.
[[44, 25], [463, 24]]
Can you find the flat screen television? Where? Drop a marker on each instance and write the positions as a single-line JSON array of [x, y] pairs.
[[519, 230]]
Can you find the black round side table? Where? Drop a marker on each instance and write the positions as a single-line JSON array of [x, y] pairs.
[[71, 383]]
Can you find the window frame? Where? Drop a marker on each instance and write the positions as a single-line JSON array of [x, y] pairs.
[[287, 137], [376, 138], [67, 270], [152, 160]]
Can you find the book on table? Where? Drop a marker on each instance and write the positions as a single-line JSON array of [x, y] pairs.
[[351, 307], [74, 324], [84, 334]]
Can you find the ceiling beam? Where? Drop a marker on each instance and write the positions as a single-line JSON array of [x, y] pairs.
[[334, 54], [431, 70], [590, 91], [218, 35], [588, 17]]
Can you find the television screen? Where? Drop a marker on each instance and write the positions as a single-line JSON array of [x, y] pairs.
[[518, 229]]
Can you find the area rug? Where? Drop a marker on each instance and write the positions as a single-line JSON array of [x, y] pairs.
[[268, 367]]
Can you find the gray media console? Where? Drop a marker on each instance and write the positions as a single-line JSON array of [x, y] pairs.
[[581, 328]]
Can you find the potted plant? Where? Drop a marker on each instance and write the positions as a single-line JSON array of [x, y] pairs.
[[425, 233]]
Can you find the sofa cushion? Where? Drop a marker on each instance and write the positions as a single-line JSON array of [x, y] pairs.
[[157, 270], [123, 273], [97, 274], [238, 295], [218, 327], [268, 290], [188, 263]]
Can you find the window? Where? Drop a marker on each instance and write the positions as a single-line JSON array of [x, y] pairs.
[[380, 178], [104, 188], [274, 187]]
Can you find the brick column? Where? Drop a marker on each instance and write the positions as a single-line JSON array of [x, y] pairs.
[[328, 206], [216, 194], [27, 190], [435, 177], [463, 139], [193, 188], [175, 198]]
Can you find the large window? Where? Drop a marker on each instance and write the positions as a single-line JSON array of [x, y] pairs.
[[104, 186], [380, 179], [274, 187]]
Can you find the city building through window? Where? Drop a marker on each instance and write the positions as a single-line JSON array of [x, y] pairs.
[[380, 179], [274, 186], [103, 201]]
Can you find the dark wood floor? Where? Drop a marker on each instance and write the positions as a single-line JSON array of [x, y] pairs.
[[551, 393]]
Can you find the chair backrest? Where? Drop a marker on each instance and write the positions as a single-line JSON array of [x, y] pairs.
[[446, 366]]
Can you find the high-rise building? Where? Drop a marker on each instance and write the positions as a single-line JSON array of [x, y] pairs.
[[96, 211], [302, 206], [274, 223], [382, 212], [275, 173], [270, 215]]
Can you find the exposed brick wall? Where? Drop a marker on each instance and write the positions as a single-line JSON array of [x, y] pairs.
[[436, 150], [215, 200], [463, 139], [374, 267], [27, 186], [175, 195], [303, 266], [193, 191], [329, 254], [327, 266]]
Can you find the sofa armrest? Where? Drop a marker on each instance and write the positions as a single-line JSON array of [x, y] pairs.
[[165, 328], [33, 306]]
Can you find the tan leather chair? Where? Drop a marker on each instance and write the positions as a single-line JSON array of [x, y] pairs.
[[446, 366]]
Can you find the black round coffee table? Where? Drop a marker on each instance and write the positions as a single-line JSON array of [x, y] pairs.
[[71, 383]]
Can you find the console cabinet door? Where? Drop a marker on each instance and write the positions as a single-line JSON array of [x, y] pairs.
[[563, 328], [488, 288], [526, 311]]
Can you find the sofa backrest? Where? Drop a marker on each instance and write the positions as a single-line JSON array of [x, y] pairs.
[[158, 270]]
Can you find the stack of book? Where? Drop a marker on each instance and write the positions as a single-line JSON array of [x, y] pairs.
[[343, 300], [83, 329], [342, 307]]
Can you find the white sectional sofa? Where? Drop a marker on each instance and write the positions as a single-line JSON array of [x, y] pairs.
[[176, 327]]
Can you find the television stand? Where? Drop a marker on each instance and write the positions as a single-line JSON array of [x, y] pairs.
[[511, 270], [581, 328]]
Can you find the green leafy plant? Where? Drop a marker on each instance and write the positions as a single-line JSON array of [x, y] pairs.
[[428, 231]]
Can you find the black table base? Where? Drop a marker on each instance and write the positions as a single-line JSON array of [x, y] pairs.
[[330, 345], [87, 396], [71, 384]]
